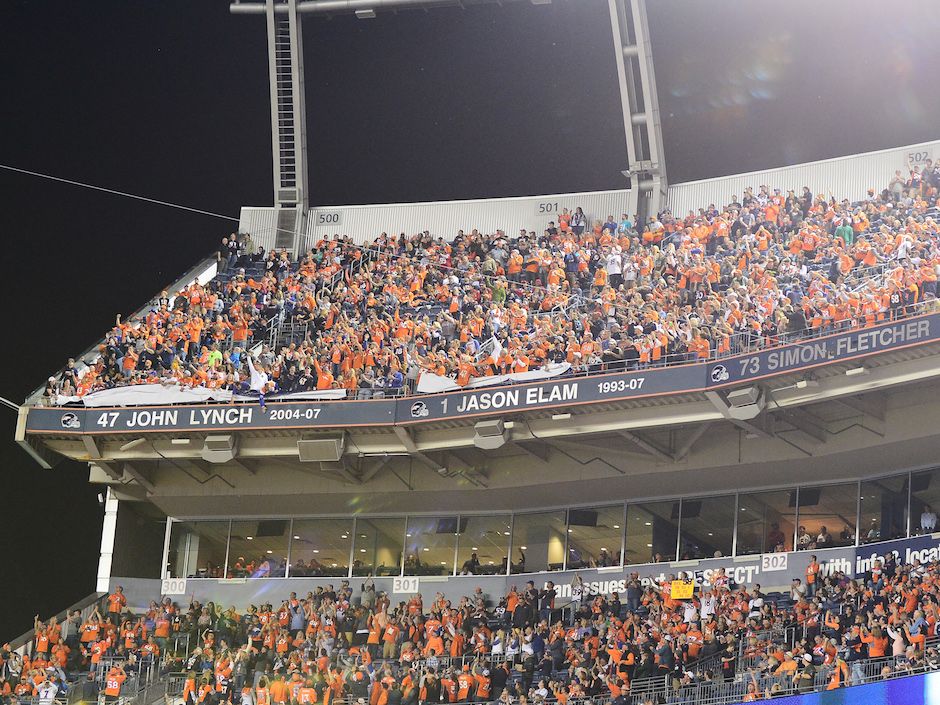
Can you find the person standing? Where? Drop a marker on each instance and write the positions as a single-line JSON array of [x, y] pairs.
[[928, 520], [812, 573], [547, 601]]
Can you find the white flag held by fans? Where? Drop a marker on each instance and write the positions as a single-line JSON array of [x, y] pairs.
[[497, 349], [258, 379]]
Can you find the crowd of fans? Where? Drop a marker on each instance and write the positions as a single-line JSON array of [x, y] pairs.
[[329, 645], [95, 655], [369, 319]]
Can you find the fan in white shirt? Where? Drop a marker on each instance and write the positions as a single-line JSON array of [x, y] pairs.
[[709, 605]]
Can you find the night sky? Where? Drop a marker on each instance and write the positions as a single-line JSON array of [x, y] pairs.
[[169, 99]]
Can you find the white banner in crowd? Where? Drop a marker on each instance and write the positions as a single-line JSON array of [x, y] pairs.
[[159, 394], [430, 383], [314, 395], [147, 394]]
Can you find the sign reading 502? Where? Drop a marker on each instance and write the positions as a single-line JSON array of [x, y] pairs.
[[919, 157]]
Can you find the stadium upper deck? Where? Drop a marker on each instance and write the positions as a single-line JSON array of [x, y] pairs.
[[423, 313], [372, 357], [805, 438]]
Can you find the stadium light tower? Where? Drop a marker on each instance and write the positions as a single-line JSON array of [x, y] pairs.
[[645, 166]]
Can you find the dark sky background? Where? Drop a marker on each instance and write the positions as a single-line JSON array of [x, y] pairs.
[[169, 99]]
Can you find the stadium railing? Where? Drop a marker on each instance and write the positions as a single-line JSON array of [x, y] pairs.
[[740, 343], [200, 269], [715, 692], [86, 606]]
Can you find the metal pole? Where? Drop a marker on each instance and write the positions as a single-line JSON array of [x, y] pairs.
[[678, 556], [623, 537], [910, 482], [456, 547], [858, 513], [352, 548], [290, 548], [512, 535], [272, 77], [734, 534], [796, 524], [300, 111], [639, 106], [564, 561], [228, 545], [167, 535]]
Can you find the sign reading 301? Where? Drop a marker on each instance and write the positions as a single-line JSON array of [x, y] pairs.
[[406, 585]]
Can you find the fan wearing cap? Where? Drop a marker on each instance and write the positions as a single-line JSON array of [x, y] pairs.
[[805, 677]]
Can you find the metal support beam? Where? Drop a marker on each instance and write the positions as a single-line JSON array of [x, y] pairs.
[[288, 121], [200, 469], [870, 405], [758, 424], [646, 445], [462, 457], [404, 435], [637, 81], [374, 470], [92, 447], [686, 447], [536, 451], [131, 471], [244, 464], [110, 470], [805, 423], [342, 469], [362, 8], [639, 106]]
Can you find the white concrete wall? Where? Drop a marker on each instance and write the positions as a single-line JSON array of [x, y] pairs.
[[261, 223], [846, 177], [445, 218]]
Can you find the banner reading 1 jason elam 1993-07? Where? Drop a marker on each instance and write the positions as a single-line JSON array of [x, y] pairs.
[[494, 401]]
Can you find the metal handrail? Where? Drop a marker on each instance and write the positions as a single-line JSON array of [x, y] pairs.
[[702, 693], [739, 343], [175, 286], [85, 606]]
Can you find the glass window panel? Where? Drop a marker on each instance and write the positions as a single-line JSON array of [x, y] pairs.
[[925, 501], [594, 536], [320, 547], [197, 549], [827, 516], [429, 545], [538, 542], [707, 527], [378, 546], [258, 548], [884, 509], [766, 521], [652, 530], [488, 538]]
